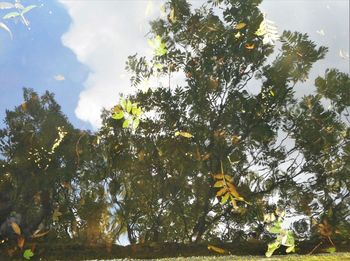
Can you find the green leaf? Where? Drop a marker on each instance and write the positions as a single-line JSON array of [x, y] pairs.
[[128, 106], [272, 247], [225, 198], [139, 111], [4, 26], [123, 103], [135, 124], [289, 241], [28, 8], [158, 46], [28, 254], [126, 123], [290, 249], [118, 116], [134, 109], [11, 15], [331, 250]]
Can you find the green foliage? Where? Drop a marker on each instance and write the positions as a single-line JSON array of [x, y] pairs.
[[129, 111], [28, 254], [284, 238]]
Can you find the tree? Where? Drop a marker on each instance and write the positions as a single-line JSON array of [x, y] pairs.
[[170, 169], [44, 177]]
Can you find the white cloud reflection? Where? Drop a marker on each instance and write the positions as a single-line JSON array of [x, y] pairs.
[[103, 33]]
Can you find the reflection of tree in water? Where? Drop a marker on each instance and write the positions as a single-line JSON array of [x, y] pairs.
[[197, 145]]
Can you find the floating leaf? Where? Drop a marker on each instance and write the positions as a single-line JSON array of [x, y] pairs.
[[28, 254], [11, 15], [128, 106], [238, 35], [249, 46], [240, 26], [221, 192], [224, 198], [183, 134], [268, 30], [118, 116], [219, 184], [276, 228], [37, 234], [233, 190], [135, 123], [56, 214], [272, 248], [4, 26], [172, 17], [290, 249], [28, 8], [158, 46], [331, 250], [16, 228], [126, 123], [59, 77], [20, 242], [321, 32], [6, 5], [219, 176], [235, 139], [216, 249]]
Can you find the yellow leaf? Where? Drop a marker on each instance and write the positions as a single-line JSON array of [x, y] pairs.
[[38, 234], [234, 203], [240, 26], [249, 46], [235, 139], [238, 35], [183, 134], [172, 17], [16, 228], [24, 106], [228, 178], [219, 176], [219, 184], [216, 249], [221, 192]]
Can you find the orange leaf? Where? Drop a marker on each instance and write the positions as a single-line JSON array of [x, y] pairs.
[[249, 46], [20, 242], [221, 192], [233, 190]]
